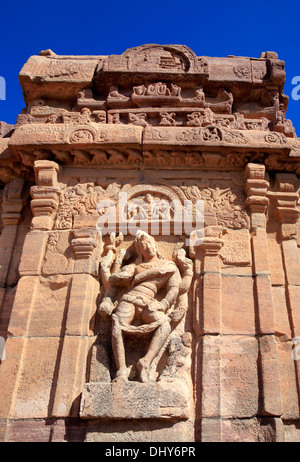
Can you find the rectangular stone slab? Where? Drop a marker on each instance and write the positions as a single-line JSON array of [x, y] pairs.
[[103, 135], [134, 400]]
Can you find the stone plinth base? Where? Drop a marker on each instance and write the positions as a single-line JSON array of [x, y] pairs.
[[134, 400]]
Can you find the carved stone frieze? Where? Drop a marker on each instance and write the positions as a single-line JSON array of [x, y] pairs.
[[144, 145], [224, 206]]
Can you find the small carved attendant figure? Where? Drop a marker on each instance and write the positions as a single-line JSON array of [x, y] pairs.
[[85, 116], [200, 95], [194, 119], [175, 90], [138, 119], [167, 119], [99, 116], [114, 93], [139, 310], [140, 90], [114, 118]]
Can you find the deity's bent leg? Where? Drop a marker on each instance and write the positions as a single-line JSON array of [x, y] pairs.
[[159, 338], [123, 315]]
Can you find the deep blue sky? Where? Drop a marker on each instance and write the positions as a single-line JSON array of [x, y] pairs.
[[209, 28]]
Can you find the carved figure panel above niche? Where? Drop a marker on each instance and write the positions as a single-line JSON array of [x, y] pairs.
[[86, 202]]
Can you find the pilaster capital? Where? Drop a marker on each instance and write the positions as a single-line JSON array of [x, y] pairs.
[[257, 189], [208, 242], [286, 200], [12, 202], [44, 204], [84, 243], [211, 246], [46, 172]]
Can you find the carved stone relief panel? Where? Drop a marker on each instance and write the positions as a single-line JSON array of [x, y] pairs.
[[144, 340], [144, 326], [147, 296], [59, 257], [224, 204], [82, 199], [144, 322]]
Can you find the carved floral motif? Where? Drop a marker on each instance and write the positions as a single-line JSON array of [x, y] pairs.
[[242, 71], [226, 205], [81, 136], [273, 137], [232, 136], [82, 199]]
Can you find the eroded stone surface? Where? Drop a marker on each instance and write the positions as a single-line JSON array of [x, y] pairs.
[[127, 400]]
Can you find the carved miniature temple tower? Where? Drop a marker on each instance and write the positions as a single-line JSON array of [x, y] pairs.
[[117, 325]]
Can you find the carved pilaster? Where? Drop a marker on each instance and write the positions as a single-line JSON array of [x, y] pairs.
[[257, 201], [78, 333], [286, 204], [12, 202], [207, 327], [87, 249], [208, 303], [12, 207], [257, 189], [45, 195], [288, 214]]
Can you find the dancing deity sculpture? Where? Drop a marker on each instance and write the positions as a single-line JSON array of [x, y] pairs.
[[153, 293]]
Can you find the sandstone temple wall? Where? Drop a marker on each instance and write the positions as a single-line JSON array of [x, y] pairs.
[[211, 350]]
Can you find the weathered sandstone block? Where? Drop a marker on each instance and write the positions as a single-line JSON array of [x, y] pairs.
[[163, 400]]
